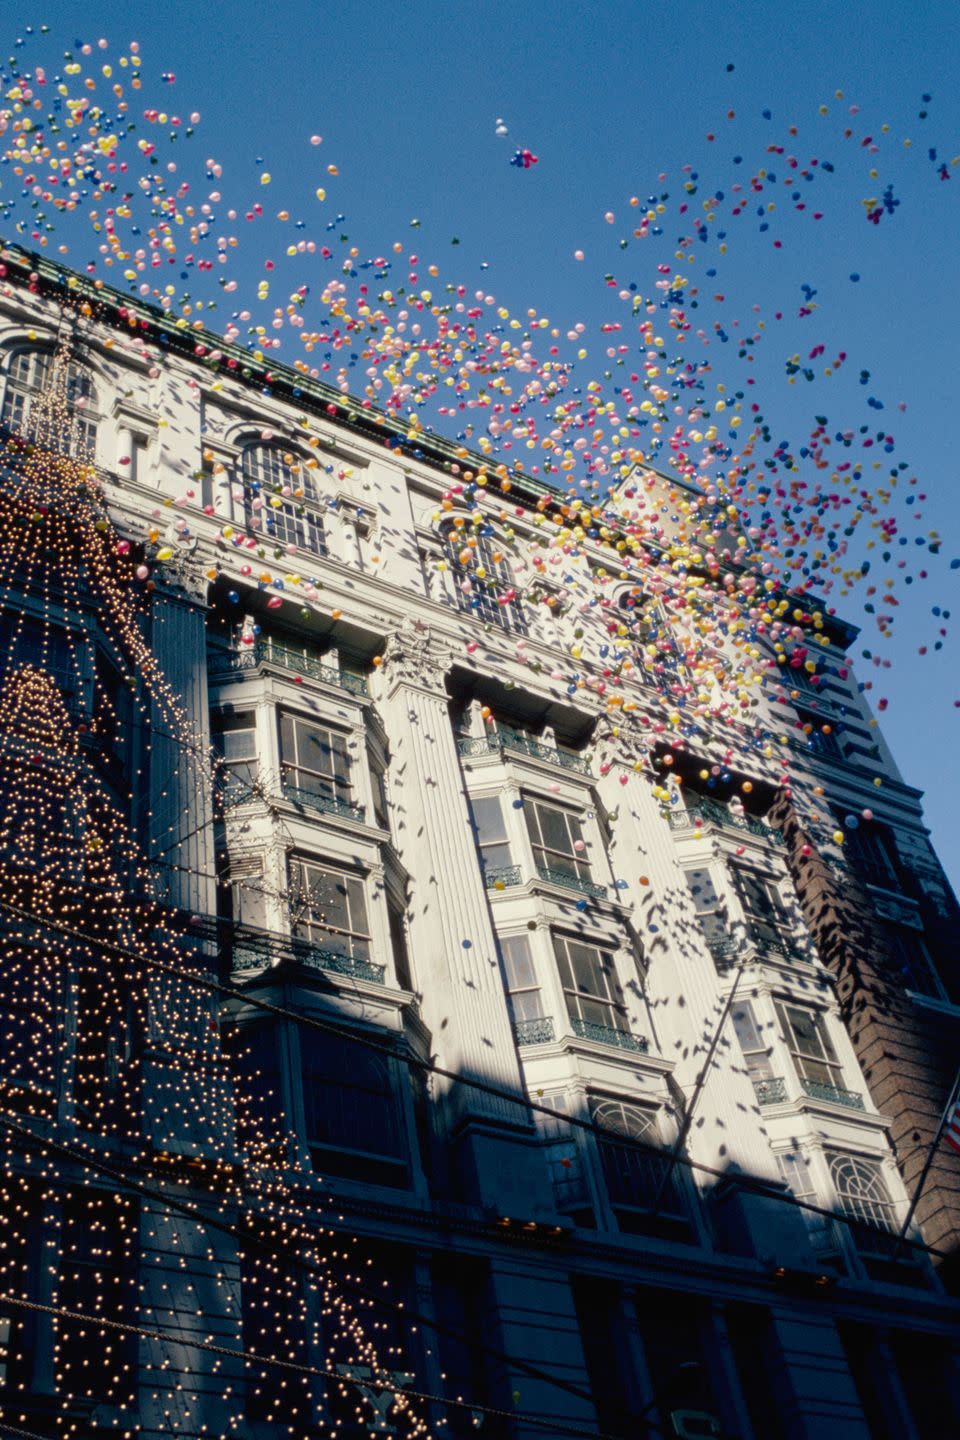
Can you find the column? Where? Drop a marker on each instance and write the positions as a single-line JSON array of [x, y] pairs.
[[452, 939], [685, 1000]]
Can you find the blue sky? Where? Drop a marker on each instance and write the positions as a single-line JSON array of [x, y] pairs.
[[610, 97]]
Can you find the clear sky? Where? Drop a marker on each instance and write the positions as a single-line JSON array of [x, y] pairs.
[[610, 97]]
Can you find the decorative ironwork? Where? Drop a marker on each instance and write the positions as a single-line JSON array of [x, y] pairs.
[[327, 804], [724, 952], [820, 1090], [607, 1035], [570, 881], [534, 1032], [257, 950], [770, 1092], [712, 812], [268, 652], [471, 746], [501, 877], [776, 946]]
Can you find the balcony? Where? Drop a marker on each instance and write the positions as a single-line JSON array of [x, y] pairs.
[[502, 877], [820, 1090], [712, 812], [724, 951], [770, 1092], [570, 881], [266, 652], [534, 1032], [522, 745], [325, 804], [258, 950], [607, 1035]]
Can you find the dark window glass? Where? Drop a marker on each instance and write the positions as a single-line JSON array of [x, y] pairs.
[[351, 1112]]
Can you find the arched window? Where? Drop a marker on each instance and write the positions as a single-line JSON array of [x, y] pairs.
[[29, 374], [482, 577], [281, 497], [635, 1177], [862, 1191]]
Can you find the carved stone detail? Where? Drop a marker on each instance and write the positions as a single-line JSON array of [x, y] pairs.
[[415, 656]]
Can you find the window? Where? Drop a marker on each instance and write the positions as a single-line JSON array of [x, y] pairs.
[[680, 1345], [398, 942], [819, 734], [870, 851], [314, 761], [808, 1038], [491, 837], [910, 961], [634, 1176], [54, 650], [248, 900], [278, 494], [352, 1120], [590, 984], [97, 1233], [557, 839], [767, 917], [822, 1232], [378, 779], [253, 1053], [756, 1055], [520, 979], [234, 740], [482, 578], [864, 1197], [329, 908], [711, 909], [30, 373]]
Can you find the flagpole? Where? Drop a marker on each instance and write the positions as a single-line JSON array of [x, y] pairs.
[[931, 1155]]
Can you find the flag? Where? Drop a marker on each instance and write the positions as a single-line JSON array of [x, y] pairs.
[[951, 1130]]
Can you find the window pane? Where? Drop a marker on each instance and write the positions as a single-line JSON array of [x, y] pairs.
[[553, 826], [745, 1024], [518, 962], [488, 819]]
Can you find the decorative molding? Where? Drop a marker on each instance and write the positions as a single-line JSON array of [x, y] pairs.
[[413, 655]]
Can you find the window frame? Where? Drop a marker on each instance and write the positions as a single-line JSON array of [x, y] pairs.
[[576, 1000], [482, 600], [574, 863], [356, 943], [298, 519], [823, 1069], [335, 787], [19, 394]]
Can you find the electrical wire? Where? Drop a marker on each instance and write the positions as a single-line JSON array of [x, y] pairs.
[[768, 1189], [315, 1371], [254, 1241]]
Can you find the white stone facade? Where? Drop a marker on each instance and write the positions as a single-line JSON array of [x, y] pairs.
[[431, 833]]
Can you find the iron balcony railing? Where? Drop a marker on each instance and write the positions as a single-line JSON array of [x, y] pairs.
[[570, 881], [268, 652], [712, 812], [326, 804], [770, 1092], [820, 1090], [534, 1032], [471, 746], [253, 950], [607, 1035], [724, 951], [501, 877]]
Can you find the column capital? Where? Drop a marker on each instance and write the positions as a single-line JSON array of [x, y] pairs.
[[413, 655], [620, 742]]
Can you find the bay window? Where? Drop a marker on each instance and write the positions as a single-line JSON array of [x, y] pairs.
[[590, 986], [328, 907], [557, 839], [810, 1045], [314, 761]]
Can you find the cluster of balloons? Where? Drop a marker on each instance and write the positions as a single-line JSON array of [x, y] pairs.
[[744, 546]]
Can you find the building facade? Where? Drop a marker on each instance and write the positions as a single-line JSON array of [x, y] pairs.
[[384, 951]]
